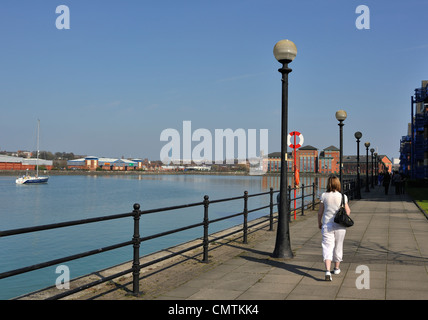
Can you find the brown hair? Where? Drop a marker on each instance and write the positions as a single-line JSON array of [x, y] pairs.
[[333, 184]]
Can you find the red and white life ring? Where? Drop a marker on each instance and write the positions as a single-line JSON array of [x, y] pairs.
[[297, 134]]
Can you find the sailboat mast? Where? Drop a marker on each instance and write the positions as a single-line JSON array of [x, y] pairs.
[[37, 160]]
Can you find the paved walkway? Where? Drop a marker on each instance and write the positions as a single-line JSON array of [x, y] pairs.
[[385, 257]]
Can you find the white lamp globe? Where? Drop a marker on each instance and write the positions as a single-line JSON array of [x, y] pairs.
[[285, 51], [341, 115]]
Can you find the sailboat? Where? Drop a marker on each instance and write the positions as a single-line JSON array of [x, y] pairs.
[[27, 179]]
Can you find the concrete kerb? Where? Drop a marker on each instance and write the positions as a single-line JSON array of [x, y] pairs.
[[422, 210]]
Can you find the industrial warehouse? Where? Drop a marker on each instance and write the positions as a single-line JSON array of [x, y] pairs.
[[113, 164], [109, 164], [18, 163]]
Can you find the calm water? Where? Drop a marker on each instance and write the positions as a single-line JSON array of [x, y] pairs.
[[67, 198]]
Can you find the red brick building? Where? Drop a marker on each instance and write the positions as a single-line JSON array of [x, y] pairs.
[[307, 159], [350, 164], [329, 160]]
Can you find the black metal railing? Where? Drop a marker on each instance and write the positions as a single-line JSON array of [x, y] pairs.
[[137, 239], [349, 187], [301, 197]]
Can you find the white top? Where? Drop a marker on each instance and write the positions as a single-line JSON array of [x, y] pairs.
[[331, 201]]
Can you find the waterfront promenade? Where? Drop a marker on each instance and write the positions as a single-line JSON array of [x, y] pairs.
[[385, 257]]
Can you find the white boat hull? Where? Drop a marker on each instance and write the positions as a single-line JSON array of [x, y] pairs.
[[30, 180]]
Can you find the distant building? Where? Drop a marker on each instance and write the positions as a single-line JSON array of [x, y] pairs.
[[307, 159], [350, 164], [92, 163], [414, 146], [273, 162], [327, 161], [109, 164], [18, 163]]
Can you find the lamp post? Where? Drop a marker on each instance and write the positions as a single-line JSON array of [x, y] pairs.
[[284, 51], [372, 150], [375, 167], [341, 116], [367, 145], [358, 136], [412, 144]]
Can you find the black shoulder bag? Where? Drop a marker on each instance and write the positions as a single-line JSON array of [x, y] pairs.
[[341, 217]]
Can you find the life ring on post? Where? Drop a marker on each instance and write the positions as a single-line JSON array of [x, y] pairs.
[[297, 134]]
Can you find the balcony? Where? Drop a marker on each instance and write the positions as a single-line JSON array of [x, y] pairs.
[[421, 94]]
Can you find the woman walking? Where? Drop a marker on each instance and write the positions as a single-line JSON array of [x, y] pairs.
[[333, 234]]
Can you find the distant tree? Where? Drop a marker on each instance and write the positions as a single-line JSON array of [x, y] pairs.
[[47, 155], [64, 156]]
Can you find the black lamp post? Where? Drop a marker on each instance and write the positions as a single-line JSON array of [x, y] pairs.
[[375, 168], [367, 145], [358, 136], [341, 116], [284, 51], [372, 150]]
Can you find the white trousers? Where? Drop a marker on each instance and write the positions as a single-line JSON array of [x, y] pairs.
[[332, 243]]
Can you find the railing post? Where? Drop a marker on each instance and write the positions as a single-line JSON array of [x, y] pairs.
[[313, 196], [245, 240], [303, 199], [271, 209], [206, 223], [136, 255]]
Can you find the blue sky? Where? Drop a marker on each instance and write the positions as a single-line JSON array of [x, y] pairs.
[[127, 70]]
